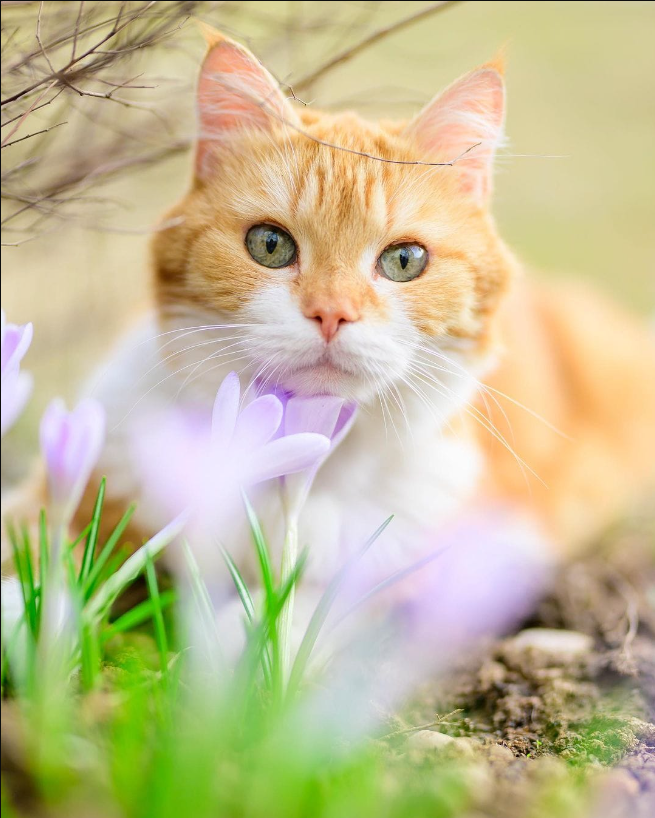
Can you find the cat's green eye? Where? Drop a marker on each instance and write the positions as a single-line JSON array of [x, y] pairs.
[[403, 262], [270, 245]]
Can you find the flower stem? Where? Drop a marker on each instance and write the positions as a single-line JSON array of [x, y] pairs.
[[289, 558]]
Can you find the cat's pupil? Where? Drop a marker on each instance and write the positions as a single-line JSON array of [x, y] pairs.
[[271, 243], [403, 257]]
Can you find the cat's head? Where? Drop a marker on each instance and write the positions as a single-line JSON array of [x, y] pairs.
[[339, 255]]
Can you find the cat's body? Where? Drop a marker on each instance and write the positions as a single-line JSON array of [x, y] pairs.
[[347, 199]]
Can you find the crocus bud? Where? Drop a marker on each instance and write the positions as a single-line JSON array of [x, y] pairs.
[[16, 385], [71, 443]]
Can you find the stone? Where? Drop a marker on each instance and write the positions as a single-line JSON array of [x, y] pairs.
[[429, 740], [498, 752], [557, 643]]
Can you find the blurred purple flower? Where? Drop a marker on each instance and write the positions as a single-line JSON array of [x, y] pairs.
[[477, 579], [70, 443], [188, 463], [16, 385], [489, 570], [323, 414]]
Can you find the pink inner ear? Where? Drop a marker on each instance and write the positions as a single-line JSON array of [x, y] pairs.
[[465, 123], [234, 91]]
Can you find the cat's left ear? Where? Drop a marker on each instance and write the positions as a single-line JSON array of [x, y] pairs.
[[235, 92], [465, 123]]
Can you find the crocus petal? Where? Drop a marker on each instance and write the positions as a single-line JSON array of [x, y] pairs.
[[16, 390], [225, 412], [71, 443], [171, 455], [325, 415], [15, 343], [318, 414], [344, 423], [257, 424], [285, 456], [84, 451], [51, 431]]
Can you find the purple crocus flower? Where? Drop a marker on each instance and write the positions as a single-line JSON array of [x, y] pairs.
[[322, 414], [16, 385], [191, 462], [251, 437], [70, 443], [479, 577]]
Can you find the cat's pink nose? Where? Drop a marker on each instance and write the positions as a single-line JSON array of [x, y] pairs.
[[330, 318]]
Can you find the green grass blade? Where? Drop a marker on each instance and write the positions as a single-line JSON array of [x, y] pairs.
[[137, 615], [249, 607], [262, 551], [92, 539], [9, 646], [100, 563], [291, 581], [28, 565], [157, 616], [22, 573], [258, 637], [44, 545], [240, 585], [323, 609], [99, 605], [201, 594], [268, 654], [83, 533]]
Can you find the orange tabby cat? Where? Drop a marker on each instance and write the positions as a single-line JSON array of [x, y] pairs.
[[331, 255]]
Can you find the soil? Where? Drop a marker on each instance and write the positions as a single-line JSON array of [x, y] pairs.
[[568, 703]]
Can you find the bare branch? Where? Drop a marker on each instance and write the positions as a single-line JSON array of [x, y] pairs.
[[308, 80], [30, 135]]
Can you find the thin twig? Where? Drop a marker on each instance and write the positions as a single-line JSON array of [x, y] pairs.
[[371, 39], [30, 135]]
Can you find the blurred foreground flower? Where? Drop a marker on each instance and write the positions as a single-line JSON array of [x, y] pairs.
[[478, 578], [16, 385], [325, 415], [71, 443], [333, 418], [191, 464]]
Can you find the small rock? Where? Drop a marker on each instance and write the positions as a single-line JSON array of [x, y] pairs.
[[560, 643], [465, 746], [429, 740], [498, 752]]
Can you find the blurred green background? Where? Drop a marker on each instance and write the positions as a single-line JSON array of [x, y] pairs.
[[581, 90]]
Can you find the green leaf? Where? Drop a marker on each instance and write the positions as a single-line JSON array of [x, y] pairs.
[[157, 615], [262, 550], [23, 575], [249, 607], [323, 609], [44, 545], [137, 615], [99, 605], [201, 595], [92, 539], [95, 572]]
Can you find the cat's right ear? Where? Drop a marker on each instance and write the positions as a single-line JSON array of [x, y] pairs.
[[235, 92]]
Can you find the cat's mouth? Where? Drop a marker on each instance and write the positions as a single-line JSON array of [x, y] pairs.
[[323, 377]]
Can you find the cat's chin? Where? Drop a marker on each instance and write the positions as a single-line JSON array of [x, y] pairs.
[[327, 379]]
